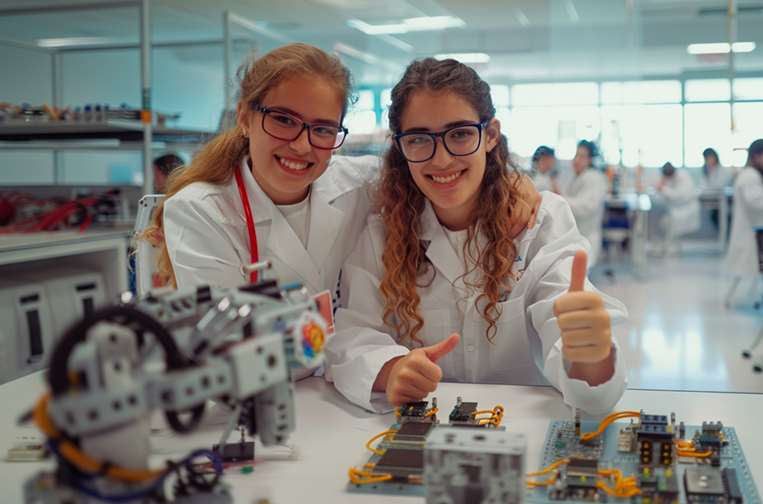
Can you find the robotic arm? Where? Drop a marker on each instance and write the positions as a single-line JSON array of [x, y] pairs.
[[170, 351]]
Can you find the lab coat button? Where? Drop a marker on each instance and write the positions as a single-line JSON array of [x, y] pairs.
[[470, 348]]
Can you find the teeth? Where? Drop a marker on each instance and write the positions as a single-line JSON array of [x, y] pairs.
[[293, 165], [445, 180]]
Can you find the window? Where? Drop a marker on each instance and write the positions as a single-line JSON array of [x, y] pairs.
[[361, 117], [500, 95], [560, 127], [708, 90], [572, 93], [747, 118], [648, 135], [707, 125], [663, 91], [748, 88]]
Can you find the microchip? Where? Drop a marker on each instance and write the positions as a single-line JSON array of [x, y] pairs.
[[703, 482], [414, 409], [401, 462], [463, 412], [413, 431], [582, 466]]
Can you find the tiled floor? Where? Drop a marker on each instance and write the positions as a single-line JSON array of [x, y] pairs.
[[679, 335]]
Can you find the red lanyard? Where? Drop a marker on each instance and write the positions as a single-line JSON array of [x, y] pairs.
[[254, 254]]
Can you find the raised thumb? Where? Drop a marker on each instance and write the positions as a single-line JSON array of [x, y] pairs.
[[443, 348]]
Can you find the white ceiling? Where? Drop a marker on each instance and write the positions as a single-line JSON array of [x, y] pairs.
[[526, 39]]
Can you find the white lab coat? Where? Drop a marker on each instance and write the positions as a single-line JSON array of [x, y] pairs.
[[586, 195], [742, 256], [682, 200], [542, 180], [717, 179], [527, 346], [206, 233]]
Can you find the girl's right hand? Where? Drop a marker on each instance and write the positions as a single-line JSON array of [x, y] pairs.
[[412, 377]]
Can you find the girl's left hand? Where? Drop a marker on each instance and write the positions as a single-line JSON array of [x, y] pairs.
[[527, 206], [584, 322]]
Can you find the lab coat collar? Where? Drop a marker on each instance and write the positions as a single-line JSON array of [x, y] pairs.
[[262, 206], [281, 241], [439, 250], [326, 220]]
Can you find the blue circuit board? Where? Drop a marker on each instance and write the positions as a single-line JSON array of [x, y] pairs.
[[561, 442]]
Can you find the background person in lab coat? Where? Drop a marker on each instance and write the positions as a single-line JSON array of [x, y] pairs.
[[715, 177], [682, 200], [586, 194], [437, 260], [544, 168], [308, 208], [742, 256]]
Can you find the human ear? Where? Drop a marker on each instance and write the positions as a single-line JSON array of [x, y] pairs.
[[243, 117], [492, 134]]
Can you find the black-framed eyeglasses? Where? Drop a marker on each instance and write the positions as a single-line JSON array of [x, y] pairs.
[[288, 127], [462, 140]]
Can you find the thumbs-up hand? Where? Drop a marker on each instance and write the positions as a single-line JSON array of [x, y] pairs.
[[584, 323], [413, 376]]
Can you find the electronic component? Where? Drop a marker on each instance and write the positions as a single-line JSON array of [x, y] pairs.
[[26, 450], [415, 410], [401, 462], [703, 482], [601, 463], [473, 467], [463, 413], [397, 463]]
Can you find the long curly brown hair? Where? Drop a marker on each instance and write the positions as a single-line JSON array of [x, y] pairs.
[[217, 161], [401, 205]]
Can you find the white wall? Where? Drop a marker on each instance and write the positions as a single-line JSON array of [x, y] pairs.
[[184, 80]]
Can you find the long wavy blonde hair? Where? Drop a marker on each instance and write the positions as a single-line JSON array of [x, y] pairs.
[[401, 204], [217, 161]]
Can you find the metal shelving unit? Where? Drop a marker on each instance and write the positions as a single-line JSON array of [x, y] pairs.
[[134, 135]]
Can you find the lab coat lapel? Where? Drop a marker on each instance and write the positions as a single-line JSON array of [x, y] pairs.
[[326, 220], [439, 251], [286, 246], [281, 242]]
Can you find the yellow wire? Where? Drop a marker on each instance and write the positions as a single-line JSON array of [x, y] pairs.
[[587, 436], [381, 434], [550, 468], [81, 460], [431, 412], [358, 477]]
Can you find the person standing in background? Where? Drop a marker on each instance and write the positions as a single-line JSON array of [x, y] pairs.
[[586, 194], [742, 257], [544, 170], [163, 166]]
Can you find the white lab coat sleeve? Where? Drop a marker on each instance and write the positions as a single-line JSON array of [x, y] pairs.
[[200, 248], [560, 240], [586, 204], [362, 343], [752, 195]]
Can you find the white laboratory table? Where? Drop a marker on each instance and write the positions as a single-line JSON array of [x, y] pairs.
[[331, 434]]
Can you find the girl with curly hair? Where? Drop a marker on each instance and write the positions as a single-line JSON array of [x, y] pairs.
[[439, 289]]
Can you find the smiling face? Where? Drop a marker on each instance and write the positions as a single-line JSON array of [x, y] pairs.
[[285, 169], [451, 183]]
